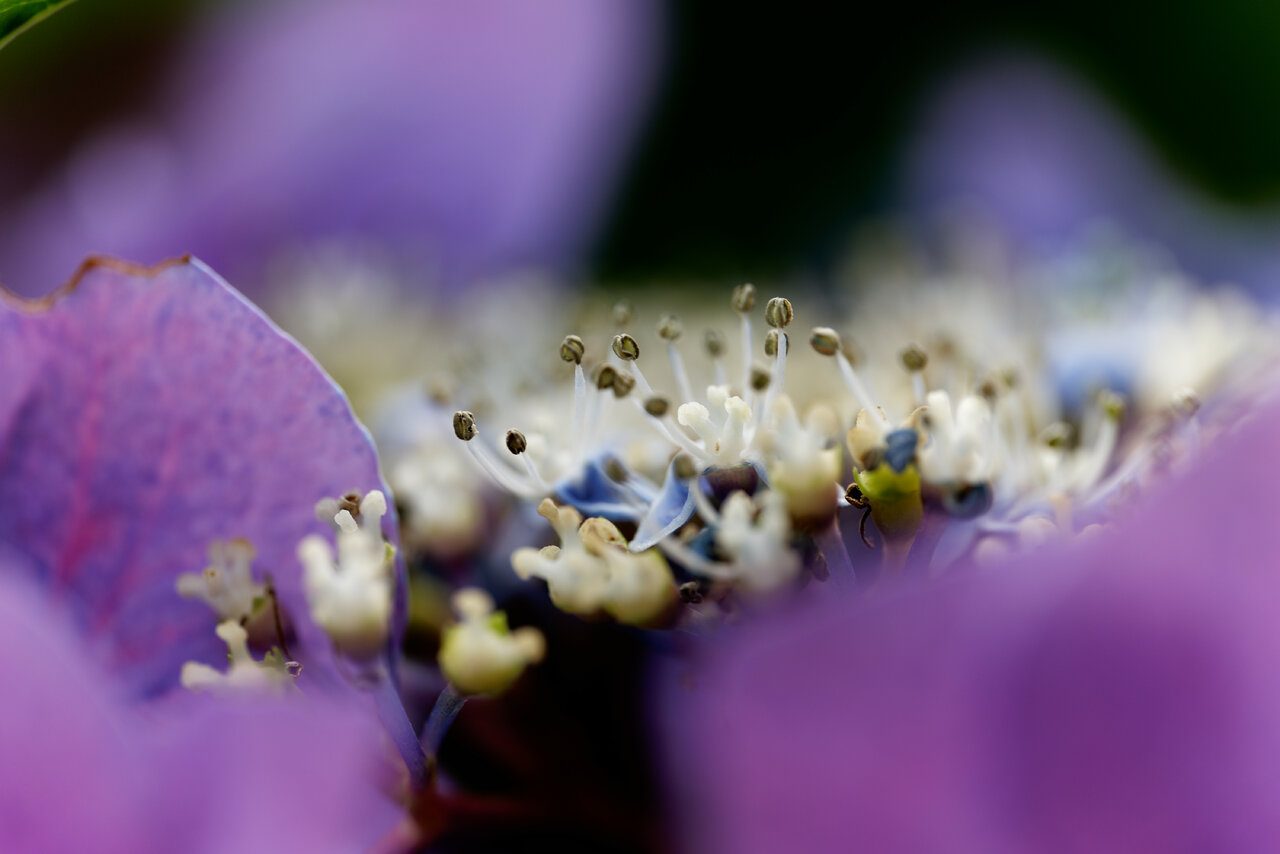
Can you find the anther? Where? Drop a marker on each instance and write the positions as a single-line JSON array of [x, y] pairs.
[[1057, 435], [690, 593], [744, 298], [685, 468], [913, 358], [715, 343], [771, 339], [464, 425], [626, 348], [1112, 404], [516, 442], [615, 470], [622, 384], [670, 328], [778, 313], [760, 378], [350, 502], [572, 349], [622, 312], [604, 376], [657, 406], [825, 340]]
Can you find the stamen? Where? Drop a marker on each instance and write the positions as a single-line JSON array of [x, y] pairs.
[[622, 312], [627, 349], [914, 360], [685, 468], [760, 378], [826, 341], [572, 350], [623, 383], [744, 299], [772, 339], [1187, 403], [595, 407], [778, 313], [670, 329], [715, 349], [656, 406], [464, 427], [517, 444], [1095, 459]]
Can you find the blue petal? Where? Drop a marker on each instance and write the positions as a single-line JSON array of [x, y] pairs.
[[594, 493], [900, 448], [673, 507]]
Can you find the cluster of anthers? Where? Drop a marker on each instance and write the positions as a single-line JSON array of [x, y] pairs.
[[747, 496]]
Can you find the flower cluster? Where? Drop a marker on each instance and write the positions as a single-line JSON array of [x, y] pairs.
[[974, 428]]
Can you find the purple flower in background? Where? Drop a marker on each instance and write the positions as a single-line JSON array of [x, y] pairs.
[[1118, 693], [84, 770], [144, 415], [1029, 146], [469, 137]]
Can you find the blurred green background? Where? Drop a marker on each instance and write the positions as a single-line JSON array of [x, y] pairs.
[[775, 124]]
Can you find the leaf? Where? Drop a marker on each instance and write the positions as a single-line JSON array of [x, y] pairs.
[[19, 15], [143, 414]]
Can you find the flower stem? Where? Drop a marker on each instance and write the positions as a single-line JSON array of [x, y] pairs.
[[447, 706], [396, 721]]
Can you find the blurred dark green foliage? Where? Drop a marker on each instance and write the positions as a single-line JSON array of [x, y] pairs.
[[779, 123], [15, 15]]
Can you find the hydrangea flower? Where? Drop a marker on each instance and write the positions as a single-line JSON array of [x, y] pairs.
[[1007, 425], [1115, 693], [985, 425], [147, 415]]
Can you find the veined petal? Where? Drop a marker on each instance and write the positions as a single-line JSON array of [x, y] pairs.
[[146, 413]]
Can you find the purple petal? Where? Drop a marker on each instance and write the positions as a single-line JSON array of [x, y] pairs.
[[144, 414], [474, 136], [1117, 695], [1030, 147], [85, 772]]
